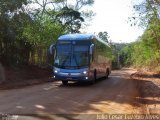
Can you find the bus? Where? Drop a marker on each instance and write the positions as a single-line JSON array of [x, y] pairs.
[[80, 57]]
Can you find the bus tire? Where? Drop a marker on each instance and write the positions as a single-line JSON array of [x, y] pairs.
[[64, 82]]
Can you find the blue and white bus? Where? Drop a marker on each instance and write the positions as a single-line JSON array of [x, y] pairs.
[[80, 57]]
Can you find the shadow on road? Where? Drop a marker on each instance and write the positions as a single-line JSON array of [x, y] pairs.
[[82, 84], [112, 94], [118, 89]]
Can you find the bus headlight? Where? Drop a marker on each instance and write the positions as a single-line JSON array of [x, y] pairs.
[[85, 72], [56, 70], [86, 78]]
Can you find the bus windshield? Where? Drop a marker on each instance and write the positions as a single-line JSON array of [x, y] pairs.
[[72, 56]]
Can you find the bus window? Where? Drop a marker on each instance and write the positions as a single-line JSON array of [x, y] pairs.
[[80, 55], [63, 55]]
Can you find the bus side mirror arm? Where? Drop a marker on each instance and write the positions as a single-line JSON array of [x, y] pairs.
[[51, 48], [91, 49]]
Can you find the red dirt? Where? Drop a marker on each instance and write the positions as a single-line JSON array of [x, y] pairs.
[[144, 86], [116, 95], [149, 88]]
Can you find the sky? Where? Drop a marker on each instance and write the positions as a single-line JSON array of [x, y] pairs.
[[112, 16]]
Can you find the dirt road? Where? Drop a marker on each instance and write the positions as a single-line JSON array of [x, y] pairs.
[[116, 95]]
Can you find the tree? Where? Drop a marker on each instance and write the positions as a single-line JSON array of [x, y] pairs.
[[104, 36], [66, 12], [26, 33], [12, 20], [146, 9], [146, 50], [70, 18]]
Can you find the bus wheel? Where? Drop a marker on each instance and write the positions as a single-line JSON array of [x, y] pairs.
[[107, 73], [64, 82]]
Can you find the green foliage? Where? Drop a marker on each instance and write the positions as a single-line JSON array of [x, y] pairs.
[[11, 5], [66, 12], [43, 34], [145, 52], [104, 36], [26, 33], [117, 56], [12, 21], [125, 55], [70, 18]]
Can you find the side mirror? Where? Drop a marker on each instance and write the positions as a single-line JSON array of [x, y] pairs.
[[91, 49], [51, 48]]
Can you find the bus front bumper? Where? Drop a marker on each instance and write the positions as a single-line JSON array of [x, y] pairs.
[[72, 75], [71, 78]]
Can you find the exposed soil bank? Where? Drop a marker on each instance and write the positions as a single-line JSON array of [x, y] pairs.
[[149, 88], [15, 77]]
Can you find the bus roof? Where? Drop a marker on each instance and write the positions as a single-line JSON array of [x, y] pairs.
[[76, 37]]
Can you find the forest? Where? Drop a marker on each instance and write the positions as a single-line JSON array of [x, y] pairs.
[[145, 52], [28, 27]]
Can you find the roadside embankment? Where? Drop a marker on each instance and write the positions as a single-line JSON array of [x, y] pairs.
[[149, 87], [16, 77]]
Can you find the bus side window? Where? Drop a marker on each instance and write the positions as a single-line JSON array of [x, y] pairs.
[[92, 56], [91, 52]]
